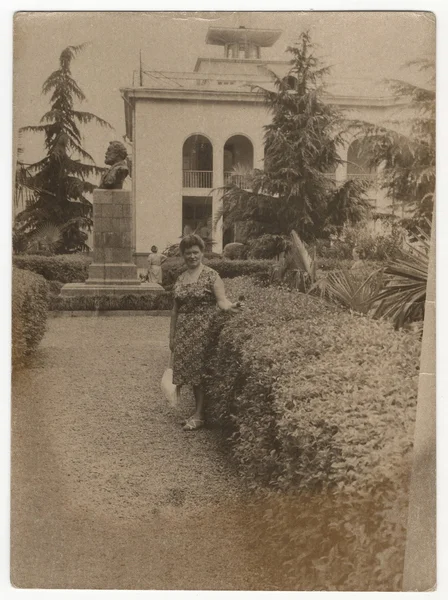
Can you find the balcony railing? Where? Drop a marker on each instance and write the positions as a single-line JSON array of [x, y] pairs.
[[367, 176], [197, 179], [241, 181]]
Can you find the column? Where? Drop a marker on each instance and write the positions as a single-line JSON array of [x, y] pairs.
[[218, 182]]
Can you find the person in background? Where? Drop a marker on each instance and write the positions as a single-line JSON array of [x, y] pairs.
[[358, 256], [197, 293], [155, 262]]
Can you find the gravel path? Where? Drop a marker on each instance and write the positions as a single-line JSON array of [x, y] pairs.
[[107, 491]]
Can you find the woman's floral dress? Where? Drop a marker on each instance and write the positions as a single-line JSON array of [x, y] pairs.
[[196, 308]]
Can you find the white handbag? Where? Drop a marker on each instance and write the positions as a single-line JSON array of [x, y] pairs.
[[169, 389]]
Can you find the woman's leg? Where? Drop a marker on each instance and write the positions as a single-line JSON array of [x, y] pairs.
[[199, 396]]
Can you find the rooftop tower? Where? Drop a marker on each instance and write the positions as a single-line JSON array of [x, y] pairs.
[[241, 43]]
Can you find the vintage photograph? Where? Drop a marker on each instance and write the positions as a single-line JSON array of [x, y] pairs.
[[223, 301]]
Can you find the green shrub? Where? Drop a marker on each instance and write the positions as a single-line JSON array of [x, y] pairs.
[[319, 403], [372, 246], [29, 313], [66, 268], [343, 264], [156, 301], [235, 251], [267, 246], [54, 287]]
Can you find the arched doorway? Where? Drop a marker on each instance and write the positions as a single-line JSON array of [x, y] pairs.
[[358, 163], [238, 158], [197, 162], [238, 155]]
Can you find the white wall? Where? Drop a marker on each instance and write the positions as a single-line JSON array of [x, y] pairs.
[[161, 127]]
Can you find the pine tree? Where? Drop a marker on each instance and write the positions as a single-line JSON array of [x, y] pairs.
[[296, 189], [60, 181], [405, 148]]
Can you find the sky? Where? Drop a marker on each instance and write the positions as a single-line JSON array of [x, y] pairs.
[[357, 45]]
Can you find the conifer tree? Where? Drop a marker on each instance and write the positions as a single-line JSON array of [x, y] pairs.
[[60, 181], [296, 190]]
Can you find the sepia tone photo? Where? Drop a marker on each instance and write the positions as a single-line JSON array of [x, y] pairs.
[[223, 301]]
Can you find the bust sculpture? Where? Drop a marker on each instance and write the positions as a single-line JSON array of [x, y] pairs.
[[116, 157]]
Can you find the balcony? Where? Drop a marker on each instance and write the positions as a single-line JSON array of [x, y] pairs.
[[197, 179], [241, 181]]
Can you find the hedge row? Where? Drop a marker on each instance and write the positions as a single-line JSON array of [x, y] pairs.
[[29, 313], [320, 406], [67, 268], [228, 269], [159, 301]]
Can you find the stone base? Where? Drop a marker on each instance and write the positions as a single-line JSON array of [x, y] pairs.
[[103, 289]]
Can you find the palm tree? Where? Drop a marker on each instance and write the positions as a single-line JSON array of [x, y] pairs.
[[404, 148], [59, 181]]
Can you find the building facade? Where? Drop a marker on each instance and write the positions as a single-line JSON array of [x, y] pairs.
[[190, 130]]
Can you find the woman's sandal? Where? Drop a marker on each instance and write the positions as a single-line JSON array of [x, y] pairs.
[[193, 424]]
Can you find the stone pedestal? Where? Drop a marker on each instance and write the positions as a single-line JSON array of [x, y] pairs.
[[113, 270]]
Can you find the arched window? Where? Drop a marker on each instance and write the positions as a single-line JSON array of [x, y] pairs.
[[358, 163], [238, 155], [197, 162]]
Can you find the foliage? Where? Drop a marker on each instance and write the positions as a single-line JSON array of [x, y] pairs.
[[355, 289], [297, 190], [235, 251], [325, 264], [405, 147], [156, 301], [267, 246], [47, 238], [59, 181], [297, 269], [68, 268], [319, 406], [402, 298], [370, 246], [333, 541], [172, 268], [29, 313]]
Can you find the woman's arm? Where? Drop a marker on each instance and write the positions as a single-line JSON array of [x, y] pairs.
[[221, 300], [173, 323]]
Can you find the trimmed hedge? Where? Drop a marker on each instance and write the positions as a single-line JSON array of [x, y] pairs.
[[29, 313], [320, 409], [228, 269], [158, 301], [66, 268], [235, 251]]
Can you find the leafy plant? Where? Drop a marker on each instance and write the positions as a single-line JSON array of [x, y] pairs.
[[354, 290], [297, 269], [59, 181], [29, 313], [405, 147], [47, 238], [67, 268], [403, 296]]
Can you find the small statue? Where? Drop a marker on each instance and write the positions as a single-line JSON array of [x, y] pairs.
[[116, 157]]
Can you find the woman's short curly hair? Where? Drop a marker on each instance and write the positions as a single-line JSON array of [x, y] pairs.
[[191, 240]]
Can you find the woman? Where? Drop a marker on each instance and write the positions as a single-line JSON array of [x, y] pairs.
[[155, 262], [197, 292]]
